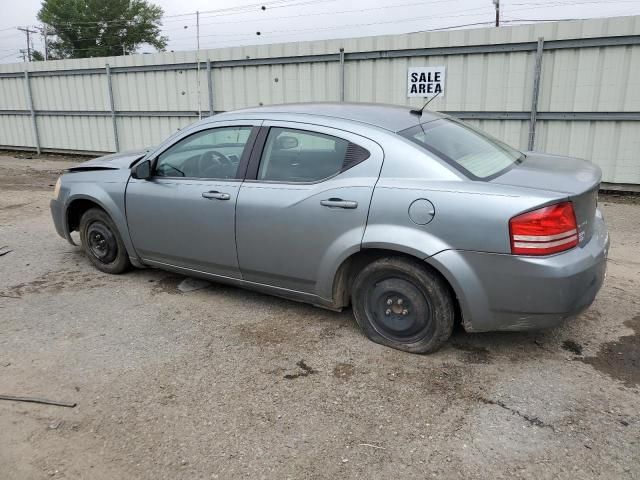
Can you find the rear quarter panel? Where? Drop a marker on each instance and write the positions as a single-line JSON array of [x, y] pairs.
[[469, 215]]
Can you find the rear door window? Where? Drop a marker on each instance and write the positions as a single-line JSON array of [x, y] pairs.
[[300, 156], [475, 153]]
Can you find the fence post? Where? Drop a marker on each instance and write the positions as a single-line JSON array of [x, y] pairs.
[[116, 141], [535, 93], [210, 86], [34, 124], [342, 74]]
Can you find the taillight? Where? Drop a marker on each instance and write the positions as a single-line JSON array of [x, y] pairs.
[[544, 231]]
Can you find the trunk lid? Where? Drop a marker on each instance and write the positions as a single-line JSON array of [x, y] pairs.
[[578, 179]]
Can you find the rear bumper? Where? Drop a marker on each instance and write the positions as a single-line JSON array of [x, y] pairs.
[[511, 292]]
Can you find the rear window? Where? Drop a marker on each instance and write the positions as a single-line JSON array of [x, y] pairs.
[[468, 149]]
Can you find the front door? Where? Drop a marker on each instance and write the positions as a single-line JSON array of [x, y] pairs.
[[304, 204], [184, 215]]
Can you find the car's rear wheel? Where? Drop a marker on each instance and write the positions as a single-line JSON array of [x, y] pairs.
[[102, 243], [404, 305]]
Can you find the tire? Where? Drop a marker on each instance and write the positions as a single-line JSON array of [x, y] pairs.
[[403, 305], [101, 242]]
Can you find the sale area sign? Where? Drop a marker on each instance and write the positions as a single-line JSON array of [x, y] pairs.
[[425, 81]]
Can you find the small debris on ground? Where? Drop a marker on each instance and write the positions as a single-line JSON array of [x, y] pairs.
[[55, 425], [573, 347], [306, 370], [43, 401], [372, 446]]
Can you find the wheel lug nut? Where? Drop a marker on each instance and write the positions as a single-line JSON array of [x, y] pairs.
[[405, 311], [388, 312], [399, 301], [389, 301]]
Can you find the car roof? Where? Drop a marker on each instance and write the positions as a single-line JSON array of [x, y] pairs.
[[390, 117]]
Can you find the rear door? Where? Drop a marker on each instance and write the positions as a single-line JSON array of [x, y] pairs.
[[303, 206], [184, 215]]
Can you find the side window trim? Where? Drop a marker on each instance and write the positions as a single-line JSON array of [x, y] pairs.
[[256, 154], [258, 151], [242, 165]]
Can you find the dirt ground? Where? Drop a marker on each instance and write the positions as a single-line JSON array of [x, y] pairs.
[[223, 383]]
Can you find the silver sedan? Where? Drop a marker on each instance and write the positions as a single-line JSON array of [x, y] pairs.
[[415, 219]]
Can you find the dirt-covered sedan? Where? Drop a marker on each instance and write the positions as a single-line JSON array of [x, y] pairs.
[[415, 220]]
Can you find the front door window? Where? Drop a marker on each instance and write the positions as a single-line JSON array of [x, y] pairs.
[[213, 153]]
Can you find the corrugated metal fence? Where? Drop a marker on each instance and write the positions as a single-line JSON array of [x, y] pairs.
[[570, 88]]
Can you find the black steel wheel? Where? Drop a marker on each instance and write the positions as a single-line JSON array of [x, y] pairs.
[[102, 243], [399, 303]]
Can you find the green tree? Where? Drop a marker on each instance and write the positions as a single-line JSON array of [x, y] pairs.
[[100, 28]]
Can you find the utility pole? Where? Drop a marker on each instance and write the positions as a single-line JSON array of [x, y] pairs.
[[28, 31], [497, 4], [198, 60], [198, 31], [46, 42]]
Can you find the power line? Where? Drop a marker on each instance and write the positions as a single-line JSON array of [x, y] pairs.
[[229, 10], [337, 27], [107, 37], [364, 24], [260, 5], [571, 2], [275, 4], [360, 10], [295, 3], [14, 53], [283, 4]]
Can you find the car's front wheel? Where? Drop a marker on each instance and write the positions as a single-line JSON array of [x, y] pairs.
[[404, 305], [102, 243]]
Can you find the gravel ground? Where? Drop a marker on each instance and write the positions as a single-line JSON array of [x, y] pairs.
[[224, 383]]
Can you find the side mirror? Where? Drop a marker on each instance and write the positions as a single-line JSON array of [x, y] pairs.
[[142, 171]]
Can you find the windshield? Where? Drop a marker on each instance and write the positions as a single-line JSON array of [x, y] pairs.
[[470, 150]]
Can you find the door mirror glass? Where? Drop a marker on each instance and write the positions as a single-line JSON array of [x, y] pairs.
[[142, 171]]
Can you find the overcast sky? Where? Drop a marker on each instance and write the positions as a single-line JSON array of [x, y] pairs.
[[235, 22]]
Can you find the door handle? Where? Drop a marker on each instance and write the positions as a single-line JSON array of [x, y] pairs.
[[213, 195], [339, 203]]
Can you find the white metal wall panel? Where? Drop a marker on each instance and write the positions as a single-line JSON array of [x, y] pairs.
[[88, 133], [13, 94], [512, 132], [484, 82], [15, 130], [173, 90], [240, 87], [73, 92], [591, 80], [140, 132], [613, 146]]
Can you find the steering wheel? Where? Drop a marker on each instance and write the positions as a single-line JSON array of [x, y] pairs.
[[213, 158]]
